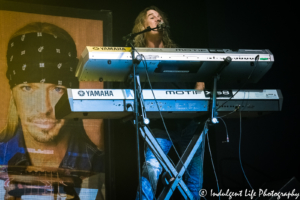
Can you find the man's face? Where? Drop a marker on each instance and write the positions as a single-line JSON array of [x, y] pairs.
[[35, 105], [152, 20]]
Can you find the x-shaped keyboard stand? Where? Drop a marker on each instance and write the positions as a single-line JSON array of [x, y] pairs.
[[178, 171]]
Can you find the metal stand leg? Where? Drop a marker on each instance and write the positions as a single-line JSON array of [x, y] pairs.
[[178, 171]]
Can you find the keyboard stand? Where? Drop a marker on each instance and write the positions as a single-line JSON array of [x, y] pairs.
[[177, 172], [173, 175]]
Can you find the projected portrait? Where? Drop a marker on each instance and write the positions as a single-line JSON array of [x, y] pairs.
[[41, 63]]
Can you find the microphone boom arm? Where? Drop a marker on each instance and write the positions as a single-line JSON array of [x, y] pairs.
[[129, 38]]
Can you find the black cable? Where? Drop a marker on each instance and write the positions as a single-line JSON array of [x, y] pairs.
[[255, 65], [212, 162], [236, 109], [240, 151], [148, 78], [156, 155], [227, 138]]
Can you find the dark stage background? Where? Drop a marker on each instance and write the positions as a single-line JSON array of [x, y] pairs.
[[270, 149]]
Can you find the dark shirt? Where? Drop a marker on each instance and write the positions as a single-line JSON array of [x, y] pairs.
[[81, 153]]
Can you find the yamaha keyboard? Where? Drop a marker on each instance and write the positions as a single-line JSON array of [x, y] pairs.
[[174, 64], [118, 103]]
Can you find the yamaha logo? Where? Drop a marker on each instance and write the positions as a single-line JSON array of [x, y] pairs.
[[81, 93], [112, 48]]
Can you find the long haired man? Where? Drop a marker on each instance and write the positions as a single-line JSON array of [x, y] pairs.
[[181, 130]]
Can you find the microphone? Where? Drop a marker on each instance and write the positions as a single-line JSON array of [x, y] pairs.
[[162, 25]]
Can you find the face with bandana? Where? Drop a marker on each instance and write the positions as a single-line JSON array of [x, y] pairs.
[[35, 104], [40, 68]]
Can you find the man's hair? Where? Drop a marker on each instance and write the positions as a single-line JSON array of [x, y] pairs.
[[139, 40], [12, 118]]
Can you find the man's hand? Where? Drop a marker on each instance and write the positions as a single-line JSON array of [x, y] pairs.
[[200, 86]]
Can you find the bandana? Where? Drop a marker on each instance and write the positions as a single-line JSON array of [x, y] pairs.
[[41, 58]]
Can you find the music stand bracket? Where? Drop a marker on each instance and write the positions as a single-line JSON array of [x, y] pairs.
[[214, 113], [135, 61]]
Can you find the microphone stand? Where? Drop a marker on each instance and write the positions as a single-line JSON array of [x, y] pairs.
[[135, 61]]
